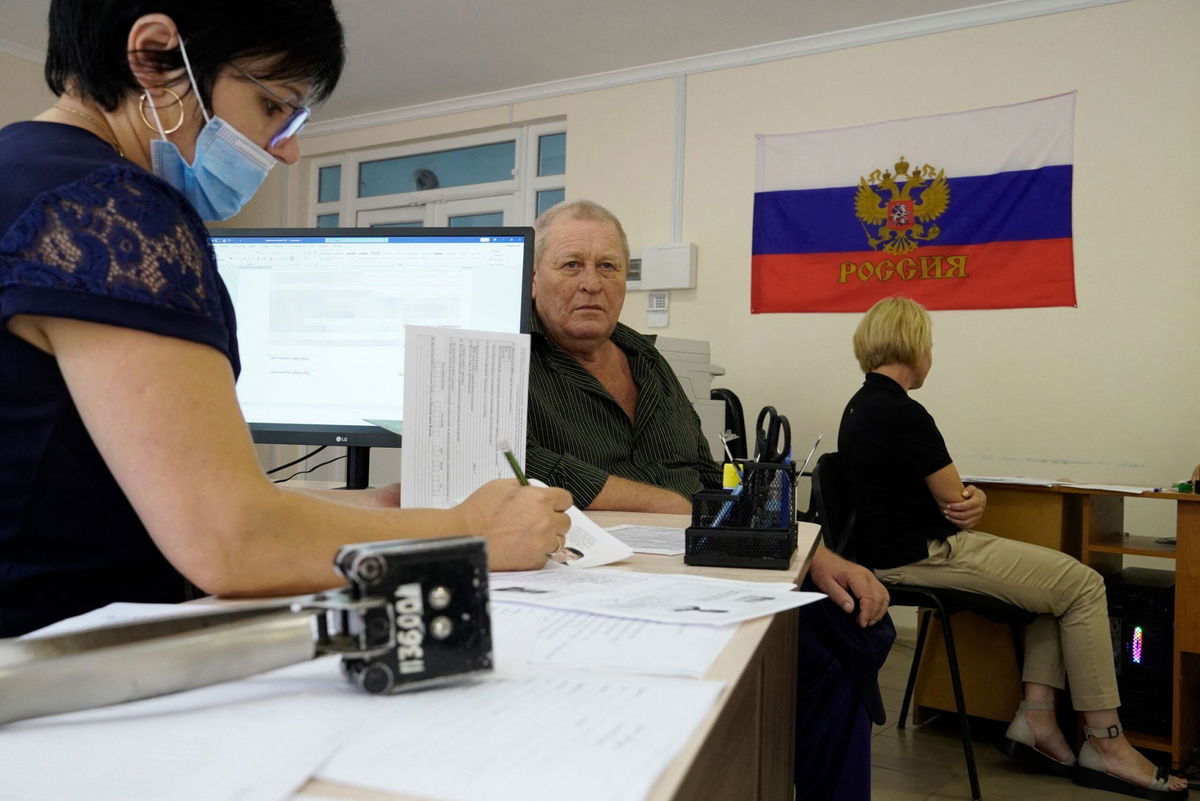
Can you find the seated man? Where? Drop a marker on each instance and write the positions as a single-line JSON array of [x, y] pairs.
[[609, 422]]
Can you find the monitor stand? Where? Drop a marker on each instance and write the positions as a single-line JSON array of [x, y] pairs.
[[358, 467]]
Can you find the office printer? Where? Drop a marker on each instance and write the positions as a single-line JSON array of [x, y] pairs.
[[690, 360]]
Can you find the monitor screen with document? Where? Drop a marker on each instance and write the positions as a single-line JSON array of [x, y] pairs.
[[321, 315]]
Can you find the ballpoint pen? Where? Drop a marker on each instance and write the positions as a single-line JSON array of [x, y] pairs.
[[727, 506], [785, 494]]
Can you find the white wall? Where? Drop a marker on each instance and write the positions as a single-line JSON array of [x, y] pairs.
[[23, 88]]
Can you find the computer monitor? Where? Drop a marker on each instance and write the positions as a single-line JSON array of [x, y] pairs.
[[321, 315]]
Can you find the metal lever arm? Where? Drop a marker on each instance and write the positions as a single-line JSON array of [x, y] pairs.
[[113, 664]]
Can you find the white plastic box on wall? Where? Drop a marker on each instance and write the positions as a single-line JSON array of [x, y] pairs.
[[663, 267]]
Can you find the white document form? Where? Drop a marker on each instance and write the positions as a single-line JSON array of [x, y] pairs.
[[1036, 482], [242, 741], [189, 746], [651, 539], [463, 392], [1126, 488], [531, 635], [547, 736], [645, 596]]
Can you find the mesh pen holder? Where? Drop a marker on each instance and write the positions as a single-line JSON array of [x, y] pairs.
[[754, 526]]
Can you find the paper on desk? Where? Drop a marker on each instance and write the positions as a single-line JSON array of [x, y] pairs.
[[463, 392], [531, 635], [261, 738], [548, 736], [1123, 488], [1032, 482], [587, 544], [188, 745], [644, 596], [651, 539], [1043, 482]]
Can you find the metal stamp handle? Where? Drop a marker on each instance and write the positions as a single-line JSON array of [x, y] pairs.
[[111, 665]]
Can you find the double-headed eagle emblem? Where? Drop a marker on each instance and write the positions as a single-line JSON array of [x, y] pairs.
[[906, 217]]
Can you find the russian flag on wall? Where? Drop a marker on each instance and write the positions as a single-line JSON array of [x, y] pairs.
[[970, 210]]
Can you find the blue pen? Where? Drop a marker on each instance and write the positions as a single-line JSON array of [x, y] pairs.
[[727, 507], [785, 491]]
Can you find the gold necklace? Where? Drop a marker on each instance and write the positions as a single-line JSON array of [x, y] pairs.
[[113, 141]]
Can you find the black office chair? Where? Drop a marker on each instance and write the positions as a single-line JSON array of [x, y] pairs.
[[735, 421], [833, 508]]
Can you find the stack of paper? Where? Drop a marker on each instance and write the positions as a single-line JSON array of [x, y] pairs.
[[542, 727], [547, 736]]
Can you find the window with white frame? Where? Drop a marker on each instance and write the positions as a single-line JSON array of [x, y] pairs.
[[504, 177]]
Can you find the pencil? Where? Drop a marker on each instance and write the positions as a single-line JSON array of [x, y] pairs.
[[506, 449]]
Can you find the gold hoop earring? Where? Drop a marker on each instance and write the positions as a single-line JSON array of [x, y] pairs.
[[152, 126]]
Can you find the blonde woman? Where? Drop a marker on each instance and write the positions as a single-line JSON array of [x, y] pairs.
[[916, 523]]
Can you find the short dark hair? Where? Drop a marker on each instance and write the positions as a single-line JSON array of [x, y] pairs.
[[298, 39]]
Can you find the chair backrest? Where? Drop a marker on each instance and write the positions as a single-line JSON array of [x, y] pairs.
[[833, 505], [735, 420]]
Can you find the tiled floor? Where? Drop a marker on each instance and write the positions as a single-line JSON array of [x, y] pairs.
[[926, 762]]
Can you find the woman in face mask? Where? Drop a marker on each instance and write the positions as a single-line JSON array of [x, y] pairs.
[[126, 470]]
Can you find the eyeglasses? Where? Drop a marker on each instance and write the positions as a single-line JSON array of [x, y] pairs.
[[294, 122]]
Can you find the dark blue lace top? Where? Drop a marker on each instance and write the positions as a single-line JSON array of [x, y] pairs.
[[88, 235]]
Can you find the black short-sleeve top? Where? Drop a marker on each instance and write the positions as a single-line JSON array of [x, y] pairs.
[[889, 444], [87, 235]]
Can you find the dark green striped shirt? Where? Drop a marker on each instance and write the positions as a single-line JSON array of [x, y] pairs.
[[578, 434]]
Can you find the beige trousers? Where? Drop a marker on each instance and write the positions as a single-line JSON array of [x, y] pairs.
[[1069, 639]]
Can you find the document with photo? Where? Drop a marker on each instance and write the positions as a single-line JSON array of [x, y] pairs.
[[587, 544]]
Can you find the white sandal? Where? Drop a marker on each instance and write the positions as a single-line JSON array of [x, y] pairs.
[[1090, 771], [1020, 743]]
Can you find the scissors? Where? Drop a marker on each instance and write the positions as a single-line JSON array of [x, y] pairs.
[[774, 436]]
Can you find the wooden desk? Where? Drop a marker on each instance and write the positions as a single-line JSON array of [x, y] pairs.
[[1088, 524], [744, 747]]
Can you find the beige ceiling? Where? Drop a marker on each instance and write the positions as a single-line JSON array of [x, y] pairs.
[[405, 53]]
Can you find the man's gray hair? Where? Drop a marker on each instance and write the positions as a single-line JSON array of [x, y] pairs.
[[587, 210]]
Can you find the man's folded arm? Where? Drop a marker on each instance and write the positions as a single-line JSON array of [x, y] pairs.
[[623, 495], [584, 481], [593, 488]]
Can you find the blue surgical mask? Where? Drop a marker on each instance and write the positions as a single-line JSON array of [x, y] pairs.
[[226, 171]]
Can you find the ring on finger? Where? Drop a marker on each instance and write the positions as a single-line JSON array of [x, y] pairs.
[[562, 543]]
